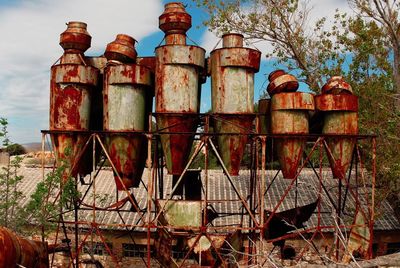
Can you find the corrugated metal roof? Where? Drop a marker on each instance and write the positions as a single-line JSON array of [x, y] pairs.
[[219, 188]]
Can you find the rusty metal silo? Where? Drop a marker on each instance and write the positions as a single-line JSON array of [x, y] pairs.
[[127, 86], [71, 86], [177, 87], [232, 69], [340, 109], [289, 115]]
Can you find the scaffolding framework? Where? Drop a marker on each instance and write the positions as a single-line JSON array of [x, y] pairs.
[[252, 206]]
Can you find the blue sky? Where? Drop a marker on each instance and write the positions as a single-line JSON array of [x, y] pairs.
[[29, 46]]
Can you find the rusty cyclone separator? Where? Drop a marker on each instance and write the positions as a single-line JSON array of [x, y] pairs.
[[15, 250], [127, 87], [232, 69], [289, 115], [177, 87], [340, 117], [71, 87]]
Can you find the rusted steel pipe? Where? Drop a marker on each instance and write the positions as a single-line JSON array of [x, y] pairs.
[[177, 80], [232, 69], [71, 86], [127, 87], [289, 115], [15, 250]]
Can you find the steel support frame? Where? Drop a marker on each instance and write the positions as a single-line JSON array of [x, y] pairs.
[[254, 206]]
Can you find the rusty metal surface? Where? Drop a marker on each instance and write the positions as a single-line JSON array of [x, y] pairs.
[[232, 40], [359, 238], [149, 62], [232, 86], [264, 110], [71, 87], [232, 147], [16, 251], [330, 102], [126, 91], [177, 86], [163, 248], [280, 81], [340, 117], [121, 49], [175, 21], [177, 147], [181, 213], [75, 37], [341, 149], [289, 115], [336, 85], [227, 245]]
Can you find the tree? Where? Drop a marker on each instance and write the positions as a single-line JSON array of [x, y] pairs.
[[386, 14], [364, 49], [285, 26], [15, 149], [10, 211]]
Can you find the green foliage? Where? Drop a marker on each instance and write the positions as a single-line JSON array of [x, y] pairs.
[[54, 194], [15, 149], [311, 54], [10, 209], [3, 131]]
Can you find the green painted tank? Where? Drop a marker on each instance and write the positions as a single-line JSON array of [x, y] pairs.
[[127, 87], [289, 115], [232, 69], [72, 84], [177, 87], [340, 117]]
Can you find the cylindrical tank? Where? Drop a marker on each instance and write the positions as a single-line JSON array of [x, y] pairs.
[[264, 118], [232, 69], [16, 251], [289, 115], [340, 117], [126, 89], [177, 87], [71, 87]]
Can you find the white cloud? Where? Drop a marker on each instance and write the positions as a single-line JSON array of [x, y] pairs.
[[30, 34]]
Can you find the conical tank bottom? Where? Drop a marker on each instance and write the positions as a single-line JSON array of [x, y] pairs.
[[341, 149], [289, 116], [231, 147], [289, 151], [128, 154], [68, 147], [177, 147]]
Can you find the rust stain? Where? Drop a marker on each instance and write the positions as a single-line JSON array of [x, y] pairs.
[[15, 250]]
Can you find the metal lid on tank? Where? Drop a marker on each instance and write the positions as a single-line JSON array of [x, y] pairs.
[[336, 85], [280, 81], [175, 19], [75, 37], [122, 49], [232, 40]]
